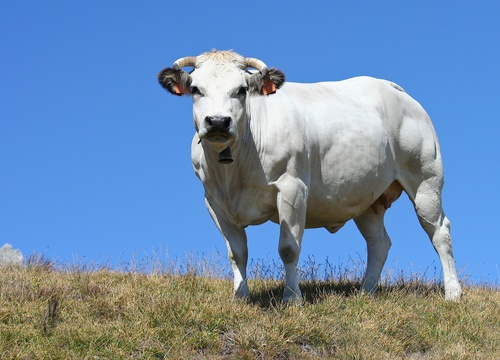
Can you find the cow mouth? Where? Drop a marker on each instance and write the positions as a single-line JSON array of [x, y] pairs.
[[217, 137], [220, 140]]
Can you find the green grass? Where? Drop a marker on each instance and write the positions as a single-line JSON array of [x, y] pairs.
[[49, 312]]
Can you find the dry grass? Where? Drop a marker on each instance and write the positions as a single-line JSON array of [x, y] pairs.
[[77, 313]]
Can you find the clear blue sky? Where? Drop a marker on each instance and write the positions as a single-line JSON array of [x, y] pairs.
[[95, 155]]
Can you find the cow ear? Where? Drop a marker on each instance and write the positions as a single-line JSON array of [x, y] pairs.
[[268, 84], [273, 81], [177, 82]]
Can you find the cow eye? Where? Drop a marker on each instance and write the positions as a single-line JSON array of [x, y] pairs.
[[242, 91], [194, 90]]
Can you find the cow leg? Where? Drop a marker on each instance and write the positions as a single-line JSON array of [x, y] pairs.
[[238, 256], [371, 225], [378, 243], [428, 207], [292, 205], [236, 242]]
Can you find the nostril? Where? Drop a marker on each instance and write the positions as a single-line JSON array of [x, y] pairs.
[[226, 122], [218, 123]]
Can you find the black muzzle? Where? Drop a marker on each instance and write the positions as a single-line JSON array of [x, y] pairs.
[[217, 124]]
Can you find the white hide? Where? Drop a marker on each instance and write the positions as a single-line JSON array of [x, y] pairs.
[[317, 155]]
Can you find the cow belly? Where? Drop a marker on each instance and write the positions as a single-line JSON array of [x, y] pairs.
[[348, 175], [334, 214], [333, 204]]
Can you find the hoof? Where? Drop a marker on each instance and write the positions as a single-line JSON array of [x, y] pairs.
[[292, 297], [453, 295]]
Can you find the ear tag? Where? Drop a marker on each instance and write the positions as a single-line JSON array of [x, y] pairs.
[[179, 90], [269, 88]]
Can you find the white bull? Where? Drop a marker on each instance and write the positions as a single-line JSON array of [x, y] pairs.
[[308, 156]]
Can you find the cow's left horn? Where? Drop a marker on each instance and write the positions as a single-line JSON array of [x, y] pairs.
[[257, 64], [185, 61]]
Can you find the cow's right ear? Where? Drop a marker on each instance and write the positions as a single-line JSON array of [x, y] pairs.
[[177, 82]]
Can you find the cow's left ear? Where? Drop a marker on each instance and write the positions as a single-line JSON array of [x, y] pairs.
[[177, 82], [273, 81], [267, 84]]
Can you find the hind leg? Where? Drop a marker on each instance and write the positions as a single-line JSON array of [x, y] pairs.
[[371, 226], [428, 207]]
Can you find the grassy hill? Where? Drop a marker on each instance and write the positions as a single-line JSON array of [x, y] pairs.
[[78, 313]]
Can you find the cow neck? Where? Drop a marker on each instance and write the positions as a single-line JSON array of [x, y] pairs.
[[254, 133]]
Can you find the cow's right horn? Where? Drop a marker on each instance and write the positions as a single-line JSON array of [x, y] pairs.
[[257, 64], [185, 61]]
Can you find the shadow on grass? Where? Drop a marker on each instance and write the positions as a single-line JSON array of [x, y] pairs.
[[270, 295]]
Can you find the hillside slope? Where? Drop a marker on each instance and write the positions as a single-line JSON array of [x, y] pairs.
[[101, 314]]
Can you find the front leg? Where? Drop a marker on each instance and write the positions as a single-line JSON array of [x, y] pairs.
[[292, 206], [236, 242]]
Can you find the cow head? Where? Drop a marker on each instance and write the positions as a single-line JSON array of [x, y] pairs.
[[220, 84]]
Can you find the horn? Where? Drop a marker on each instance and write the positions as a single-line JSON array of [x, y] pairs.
[[185, 61], [257, 64]]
